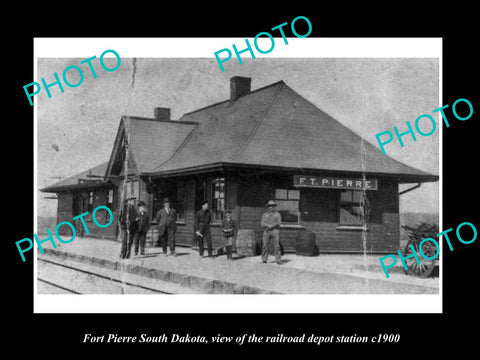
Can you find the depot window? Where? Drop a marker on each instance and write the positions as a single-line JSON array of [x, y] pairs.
[[287, 201], [110, 199], [133, 189], [218, 198], [90, 202], [352, 208], [181, 200], [110, 193]]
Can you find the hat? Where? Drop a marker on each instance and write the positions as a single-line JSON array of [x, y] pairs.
[[203, 202], [270, 203], [227, 212], [141, 203], [166, 200]]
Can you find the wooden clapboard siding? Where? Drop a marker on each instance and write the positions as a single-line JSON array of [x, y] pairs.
[[64, 209], [65, 214], [319, 213], [383, 234]]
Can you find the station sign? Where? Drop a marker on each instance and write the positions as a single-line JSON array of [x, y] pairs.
[[334, 183]]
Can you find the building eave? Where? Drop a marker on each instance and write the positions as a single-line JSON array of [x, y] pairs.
[[73, 187], [226, 166]]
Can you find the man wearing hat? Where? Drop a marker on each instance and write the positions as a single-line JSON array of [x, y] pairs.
[[167, 226], [202, 229], [143, 225], [129, 224], [271, 221]]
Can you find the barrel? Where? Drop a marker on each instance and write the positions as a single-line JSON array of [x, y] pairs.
[[305, 243], [246, 243]]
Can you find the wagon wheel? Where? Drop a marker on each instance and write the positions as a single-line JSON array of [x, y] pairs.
[[425, 268]]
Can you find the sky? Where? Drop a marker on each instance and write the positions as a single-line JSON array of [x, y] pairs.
[[76, 129]]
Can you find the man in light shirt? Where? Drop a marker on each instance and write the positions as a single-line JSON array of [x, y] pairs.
[[271, 221]]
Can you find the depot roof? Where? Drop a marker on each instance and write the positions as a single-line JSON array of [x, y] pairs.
[[90, 178], [151, 141], [272, 127], [275, 127]]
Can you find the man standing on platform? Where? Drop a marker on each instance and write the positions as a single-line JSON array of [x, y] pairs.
[[167, 226], [271, 221], [129, 224], [143, 225], [202, 229]]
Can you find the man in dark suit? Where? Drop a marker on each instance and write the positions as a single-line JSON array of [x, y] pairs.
[[129, 224], [167, 226], [143, 226], [202, 229]]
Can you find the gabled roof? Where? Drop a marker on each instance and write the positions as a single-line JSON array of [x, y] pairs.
[[80, 180], [276, 127], [150, 142]]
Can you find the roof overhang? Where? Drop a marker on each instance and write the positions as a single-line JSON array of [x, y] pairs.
[[222, 166], [76, 187]]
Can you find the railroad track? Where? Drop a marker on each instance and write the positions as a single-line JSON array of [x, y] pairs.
[[57, 286], [90, 277]]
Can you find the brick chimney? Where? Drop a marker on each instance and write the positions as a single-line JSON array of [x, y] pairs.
[[161, 114], [239, 86]]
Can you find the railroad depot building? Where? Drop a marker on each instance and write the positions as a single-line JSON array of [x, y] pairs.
[[268, 143]]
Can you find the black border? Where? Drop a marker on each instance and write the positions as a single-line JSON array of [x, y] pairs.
[[429, 333]]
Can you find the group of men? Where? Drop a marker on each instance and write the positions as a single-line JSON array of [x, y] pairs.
[[134, 223]]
